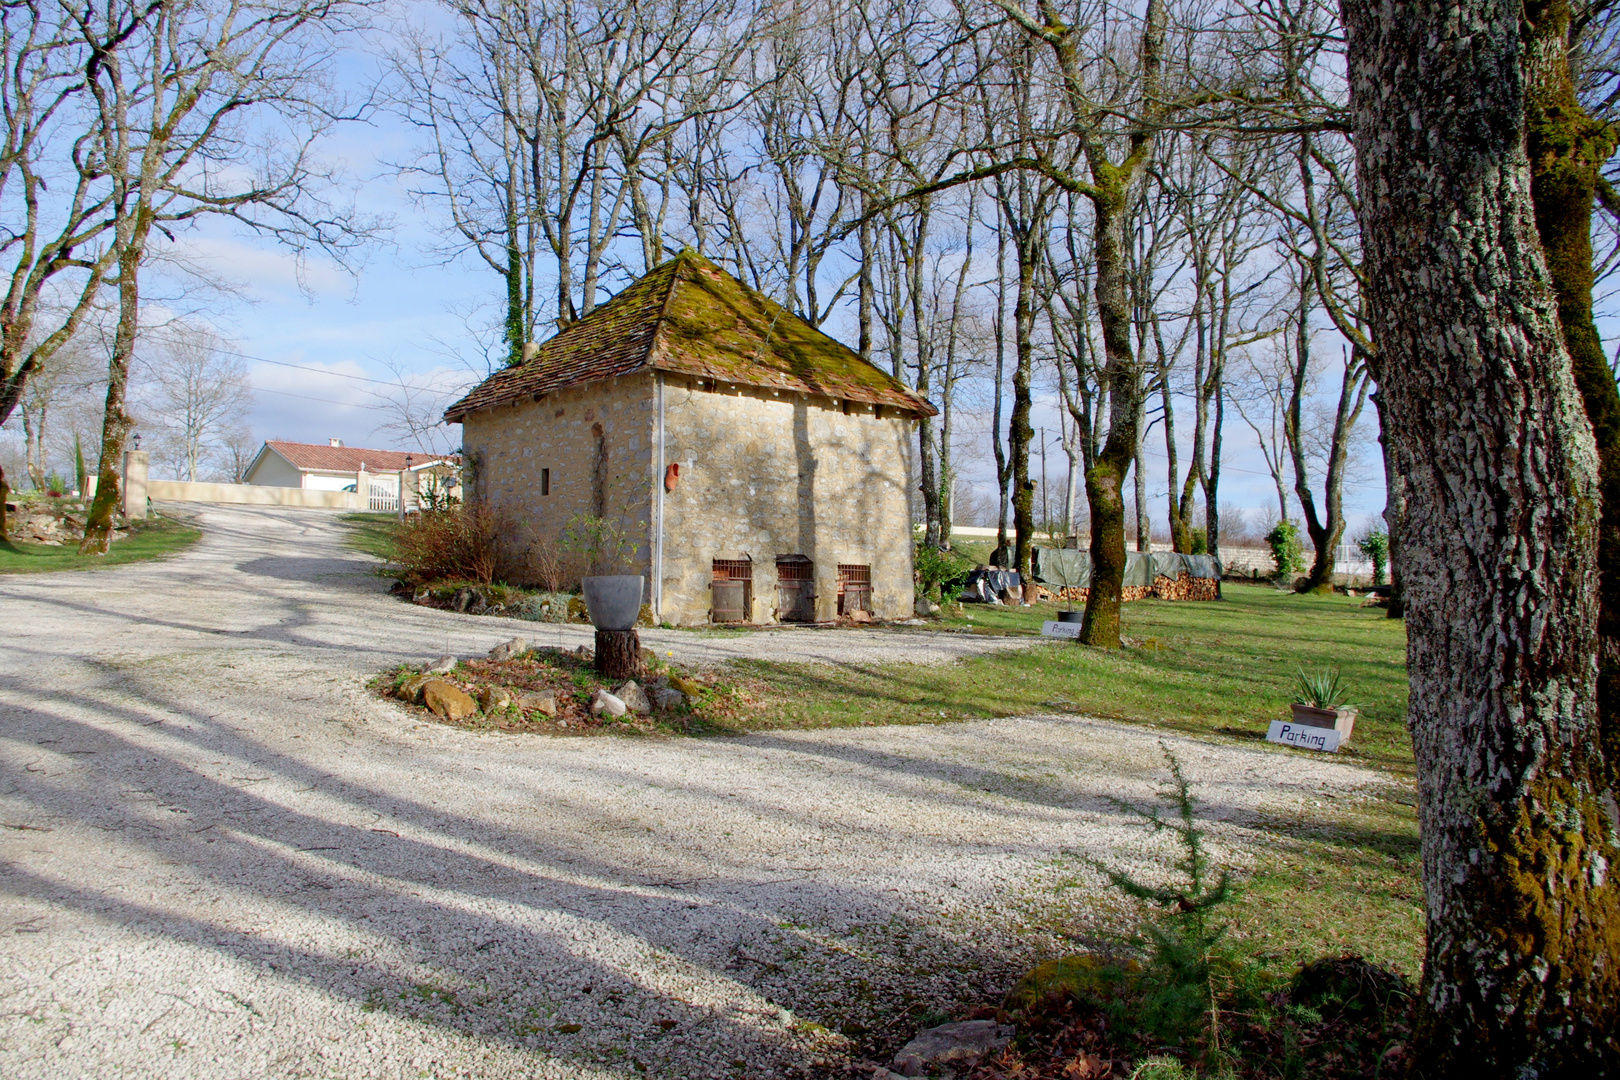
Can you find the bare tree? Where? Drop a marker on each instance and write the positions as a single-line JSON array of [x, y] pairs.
[[60, 398], [180, 93], [195, 394], [56, 202]]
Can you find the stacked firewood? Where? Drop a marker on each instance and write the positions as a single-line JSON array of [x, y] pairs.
[[1181, 587], [1185, 587]]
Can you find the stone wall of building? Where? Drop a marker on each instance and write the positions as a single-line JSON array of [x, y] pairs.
[[762, 475], [756, 476], [582, 450]]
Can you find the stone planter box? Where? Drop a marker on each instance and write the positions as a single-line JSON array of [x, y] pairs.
[[613, 600], [1341, 720]]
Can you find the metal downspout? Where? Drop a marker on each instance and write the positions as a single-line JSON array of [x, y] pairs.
[[658, 501]]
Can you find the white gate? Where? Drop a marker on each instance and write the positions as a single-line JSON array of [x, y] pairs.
[[383, 497]]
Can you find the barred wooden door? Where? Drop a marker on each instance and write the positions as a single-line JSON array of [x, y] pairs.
[[795, 589]]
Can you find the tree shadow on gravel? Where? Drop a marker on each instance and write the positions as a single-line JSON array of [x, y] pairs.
[[498, 914]]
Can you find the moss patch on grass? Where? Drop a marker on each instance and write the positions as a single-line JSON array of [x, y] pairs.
[[156, 538]]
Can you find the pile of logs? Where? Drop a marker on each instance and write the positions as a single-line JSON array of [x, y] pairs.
[[1181, 587], [1186, 587]]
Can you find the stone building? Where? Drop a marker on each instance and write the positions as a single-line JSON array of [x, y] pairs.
[[763, 470]]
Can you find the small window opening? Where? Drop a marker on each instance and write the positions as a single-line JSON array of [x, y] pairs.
[[545, 481], [854, 588]]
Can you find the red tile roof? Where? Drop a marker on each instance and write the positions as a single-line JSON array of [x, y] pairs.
[[347, 458], [690, 317]]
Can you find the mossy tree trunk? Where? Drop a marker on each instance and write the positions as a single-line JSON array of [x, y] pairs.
[[1105, 479], [1019, 429], [1498, 542], [1567, 150]]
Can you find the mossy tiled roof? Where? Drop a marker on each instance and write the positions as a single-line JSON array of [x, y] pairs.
[[688, 316]]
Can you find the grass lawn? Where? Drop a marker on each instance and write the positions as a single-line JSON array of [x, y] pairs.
[[157, 538], [1341, 878], [369, 532], [1225, 669]]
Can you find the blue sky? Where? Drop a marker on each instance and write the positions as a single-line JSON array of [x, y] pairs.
[[317, 334]]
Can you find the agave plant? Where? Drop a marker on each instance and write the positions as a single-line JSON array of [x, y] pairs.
[[1322, 690]]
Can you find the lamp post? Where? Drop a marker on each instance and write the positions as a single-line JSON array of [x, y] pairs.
[[402, 478]]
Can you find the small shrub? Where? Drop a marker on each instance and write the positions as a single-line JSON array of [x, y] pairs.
[[1287, 553], [1162, 1068], [1200, 542], [549, 565], [1375, 545], [1323, 690], [606, 544], [938, 570], [458, 543]]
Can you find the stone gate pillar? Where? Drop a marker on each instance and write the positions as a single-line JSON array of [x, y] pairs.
[[136, 463]]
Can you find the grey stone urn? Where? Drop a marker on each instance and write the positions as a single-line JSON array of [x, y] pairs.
[[614, 600]]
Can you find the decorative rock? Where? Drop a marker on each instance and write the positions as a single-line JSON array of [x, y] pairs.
[[634, 698], [495, 698], [966, 1042], [442, 666], [446, 700], [859, 616], [667, 698], [604, 702], [506, 650], [925, 608], [411, 689], [468, 601], [685, 686], [649, 659], [542, 700]]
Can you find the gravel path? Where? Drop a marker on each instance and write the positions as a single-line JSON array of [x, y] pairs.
[[220, 857]]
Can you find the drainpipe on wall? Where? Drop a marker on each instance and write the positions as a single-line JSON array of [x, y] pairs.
[[658, 504]]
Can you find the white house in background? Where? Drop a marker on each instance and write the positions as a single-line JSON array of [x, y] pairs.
[[335, 467]]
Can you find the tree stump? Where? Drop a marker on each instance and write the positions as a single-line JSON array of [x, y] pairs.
[[618, 654]]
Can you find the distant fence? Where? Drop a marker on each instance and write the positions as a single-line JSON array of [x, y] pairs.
[[1239, 560], [262, 495]]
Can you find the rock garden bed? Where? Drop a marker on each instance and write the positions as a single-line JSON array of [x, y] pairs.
[[555, 691], [52, 521]]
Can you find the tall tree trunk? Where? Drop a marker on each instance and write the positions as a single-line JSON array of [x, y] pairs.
[[1003, 469], [1105, 480], [1499, 544], [1567, 151], [1019, 429], [1394, 511], [116, 421], [1144, 517]]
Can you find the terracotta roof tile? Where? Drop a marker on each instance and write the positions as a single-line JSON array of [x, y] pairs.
[[346, 458], [689, 316]]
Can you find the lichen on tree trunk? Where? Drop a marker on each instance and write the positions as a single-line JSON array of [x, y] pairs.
[[1498, 542]]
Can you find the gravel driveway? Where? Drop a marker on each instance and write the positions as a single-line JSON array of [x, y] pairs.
[[223, 858]]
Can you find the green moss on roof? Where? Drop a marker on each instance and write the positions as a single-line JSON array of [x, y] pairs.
[[688, 316]]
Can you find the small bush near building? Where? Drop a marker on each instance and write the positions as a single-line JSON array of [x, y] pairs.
[[939, 571], [457, 543]]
